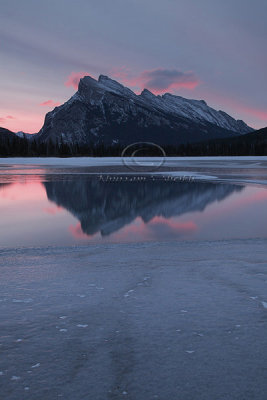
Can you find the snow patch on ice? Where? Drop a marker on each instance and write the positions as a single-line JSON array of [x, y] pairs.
[[127, 294], [36, 365], [15, 378], [22, 301]]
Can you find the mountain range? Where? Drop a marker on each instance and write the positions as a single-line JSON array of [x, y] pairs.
[[104, 112]]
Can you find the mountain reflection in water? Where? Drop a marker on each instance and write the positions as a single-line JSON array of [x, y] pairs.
[[105, 207]]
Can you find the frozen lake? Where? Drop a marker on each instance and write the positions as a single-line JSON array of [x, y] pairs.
[[119, 283]]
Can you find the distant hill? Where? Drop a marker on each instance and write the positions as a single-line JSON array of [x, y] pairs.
[[254, 143], [258, 137], [13, 145], [6, 134]]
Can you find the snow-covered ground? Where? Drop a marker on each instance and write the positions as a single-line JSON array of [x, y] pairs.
[[140, 321]]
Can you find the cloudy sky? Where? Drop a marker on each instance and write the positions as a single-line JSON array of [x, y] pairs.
[[203, 49]]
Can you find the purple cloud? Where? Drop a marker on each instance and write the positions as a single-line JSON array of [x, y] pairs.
[[159, 80]]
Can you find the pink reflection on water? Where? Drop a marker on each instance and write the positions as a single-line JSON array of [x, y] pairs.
[[157, 228], [77, 232], [53, 210], [21, 192], [252, 197], [238, 202], [27, 216]]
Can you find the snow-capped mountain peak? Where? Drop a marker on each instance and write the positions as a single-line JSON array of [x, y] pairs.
[[105, 111], [195, 110], [114, 86]]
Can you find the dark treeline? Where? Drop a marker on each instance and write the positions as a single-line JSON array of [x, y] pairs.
[[22, 147], [241, 146]]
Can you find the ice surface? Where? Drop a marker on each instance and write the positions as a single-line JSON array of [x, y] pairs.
[[251, 170], [212, 280], [87, 161]]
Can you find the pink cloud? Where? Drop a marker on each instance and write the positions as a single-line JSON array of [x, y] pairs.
[[4, 119], [159, 80], [74, 79], [260, 114], [50, 103]]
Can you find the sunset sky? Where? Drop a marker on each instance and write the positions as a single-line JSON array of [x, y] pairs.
[[209, 49]]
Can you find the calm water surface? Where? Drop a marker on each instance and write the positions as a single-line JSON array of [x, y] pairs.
[[39, 209]]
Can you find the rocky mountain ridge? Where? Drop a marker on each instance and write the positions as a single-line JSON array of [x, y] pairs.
[[105, 111]]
